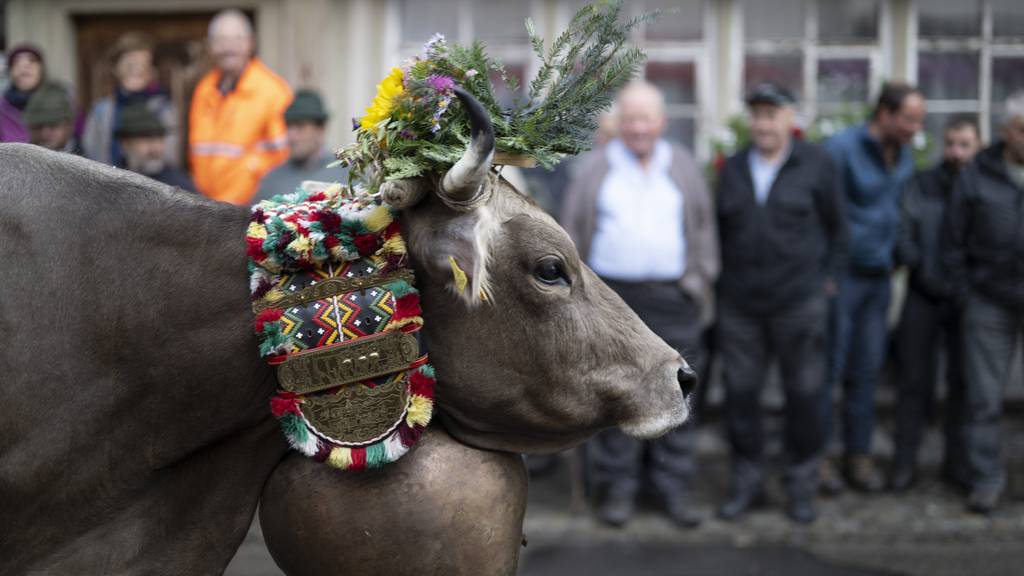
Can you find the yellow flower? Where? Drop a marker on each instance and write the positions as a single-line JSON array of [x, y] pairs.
[[383, 102]]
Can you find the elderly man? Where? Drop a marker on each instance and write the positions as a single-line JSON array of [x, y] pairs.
[[930, 317], [142, 139], [984, 254], [236, 125], [306, 119], [783, 244], [50, 119], [873, 163], [640, 215]]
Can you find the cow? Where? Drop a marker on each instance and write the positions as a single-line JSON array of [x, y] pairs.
[[135, 434]]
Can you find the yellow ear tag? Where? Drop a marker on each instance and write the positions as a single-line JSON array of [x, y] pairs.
[[460, 277]]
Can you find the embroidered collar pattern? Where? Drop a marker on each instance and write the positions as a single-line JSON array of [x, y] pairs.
[[338, 315]]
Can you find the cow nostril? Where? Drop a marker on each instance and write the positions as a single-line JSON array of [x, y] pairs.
[[687, 380]]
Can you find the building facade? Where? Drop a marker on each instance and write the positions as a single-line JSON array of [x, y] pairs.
[[967, 55]]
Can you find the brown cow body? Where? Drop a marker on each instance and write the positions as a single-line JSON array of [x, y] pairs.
[[135, 434]]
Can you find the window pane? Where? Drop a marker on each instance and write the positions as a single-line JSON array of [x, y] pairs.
[[420, 20], [783, 69], [682, 130], [1007, 77], [676, 79], [499, 21], [1008, 18], [686, 23], [934, 125], [948, 76], [851, 21], [949, 18], [775, 20], [843, 80]]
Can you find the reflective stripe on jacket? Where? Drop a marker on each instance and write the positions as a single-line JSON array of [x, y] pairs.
[[236, 138]]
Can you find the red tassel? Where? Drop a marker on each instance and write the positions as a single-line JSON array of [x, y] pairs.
[[407, 434], [406, 307], [318, 197], [358, 459], [366, 243], [330, 222], [284, 403], [254, 248], [394, 228], [268, 315], [420, 383]]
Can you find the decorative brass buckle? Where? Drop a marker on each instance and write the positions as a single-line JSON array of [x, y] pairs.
[[348, 362]]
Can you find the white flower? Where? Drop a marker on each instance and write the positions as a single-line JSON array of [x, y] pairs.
[[437, 40], [471, 72], [920, 141]]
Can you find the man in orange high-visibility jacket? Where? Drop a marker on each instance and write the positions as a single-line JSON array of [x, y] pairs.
[[237, 131]]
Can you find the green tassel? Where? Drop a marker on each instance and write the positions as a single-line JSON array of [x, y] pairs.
[[400, 288], [294, 428], [376, 456], [427, 370]]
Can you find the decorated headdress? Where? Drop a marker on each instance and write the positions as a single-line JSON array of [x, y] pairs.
[[337, 312]]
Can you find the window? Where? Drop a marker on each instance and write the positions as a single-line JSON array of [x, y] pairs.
[[826, 53], [497, 23], [677, 62], [969, 60]]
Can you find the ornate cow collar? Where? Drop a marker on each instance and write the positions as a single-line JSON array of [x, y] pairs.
[[338, 315]]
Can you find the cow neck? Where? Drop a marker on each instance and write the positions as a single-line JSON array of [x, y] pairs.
[[338, 316]]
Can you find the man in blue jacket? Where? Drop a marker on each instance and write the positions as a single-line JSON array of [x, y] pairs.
[[873, 163]]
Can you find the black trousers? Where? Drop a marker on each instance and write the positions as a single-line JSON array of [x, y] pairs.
[[747, 344], [617, 460], [928, 326]]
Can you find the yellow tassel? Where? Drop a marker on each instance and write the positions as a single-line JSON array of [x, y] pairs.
[[301, 245], [340, 458], [378, 219], [394, 245], [273, 295], [460, 277], [421, 409], [404, 322], [257, 230]]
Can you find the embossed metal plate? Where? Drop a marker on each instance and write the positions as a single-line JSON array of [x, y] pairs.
[[358, 414], [348, 362]]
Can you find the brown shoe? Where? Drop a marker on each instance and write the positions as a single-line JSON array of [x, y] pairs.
[[829, 481], [862, 474]]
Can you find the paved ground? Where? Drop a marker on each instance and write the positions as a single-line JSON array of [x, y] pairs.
[[926, 532]]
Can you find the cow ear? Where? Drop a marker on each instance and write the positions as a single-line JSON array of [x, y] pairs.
[[457, 253]]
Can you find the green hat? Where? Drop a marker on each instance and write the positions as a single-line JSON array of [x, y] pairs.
[[138, 120], [307, 105], [49, 104]]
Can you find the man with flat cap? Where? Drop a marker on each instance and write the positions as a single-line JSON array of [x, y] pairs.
[[782, 241], [50, 118], [142, 137], [306, 119]]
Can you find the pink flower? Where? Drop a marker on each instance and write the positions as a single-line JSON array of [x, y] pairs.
[[440, 83]]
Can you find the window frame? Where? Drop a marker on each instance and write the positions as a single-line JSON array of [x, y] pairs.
[[813, 51], [988, 48]]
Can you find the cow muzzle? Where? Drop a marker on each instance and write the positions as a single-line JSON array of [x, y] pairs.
[[687, 379]]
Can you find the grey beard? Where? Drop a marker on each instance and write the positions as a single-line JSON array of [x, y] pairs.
[[146, 166]]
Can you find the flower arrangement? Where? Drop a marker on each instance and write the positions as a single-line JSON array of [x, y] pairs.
[[416, 127]]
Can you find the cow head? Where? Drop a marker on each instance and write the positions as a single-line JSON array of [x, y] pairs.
[[533, 351]]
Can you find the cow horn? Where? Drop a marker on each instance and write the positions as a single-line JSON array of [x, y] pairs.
[[464, 182]]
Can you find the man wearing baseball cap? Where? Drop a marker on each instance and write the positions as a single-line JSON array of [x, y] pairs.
[[306, 119], [782, 239]]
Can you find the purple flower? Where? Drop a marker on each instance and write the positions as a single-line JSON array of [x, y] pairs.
[[355, 123], [440, 82], [407, 134]]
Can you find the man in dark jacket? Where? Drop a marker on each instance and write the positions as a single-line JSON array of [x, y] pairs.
[[782, 239], [930, 318], [986, 249], [142, 138], [873, 163]]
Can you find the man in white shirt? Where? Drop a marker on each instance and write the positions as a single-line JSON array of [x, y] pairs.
[[641, 217]]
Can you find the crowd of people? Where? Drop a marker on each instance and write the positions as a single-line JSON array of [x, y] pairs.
[[248, 136], [787, 259], [790, 260]]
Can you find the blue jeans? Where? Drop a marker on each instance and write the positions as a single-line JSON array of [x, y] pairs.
[[857, 348]]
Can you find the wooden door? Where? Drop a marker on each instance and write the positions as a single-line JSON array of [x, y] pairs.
[[181, 57]]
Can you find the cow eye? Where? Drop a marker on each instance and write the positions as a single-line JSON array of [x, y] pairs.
[[550, 270]]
